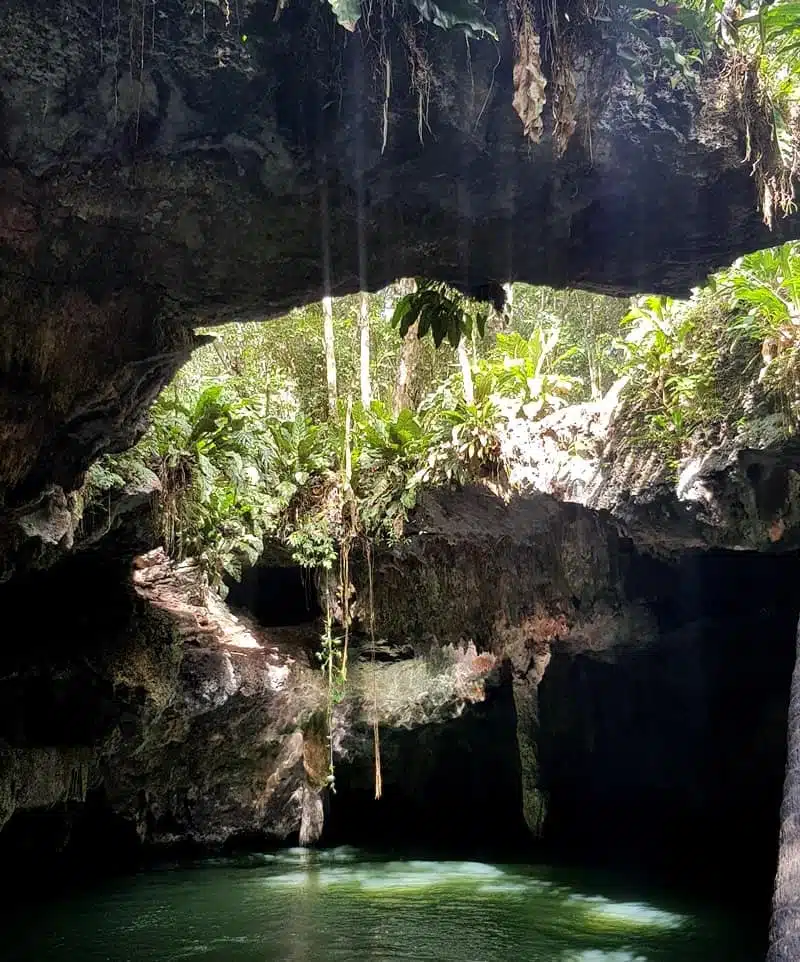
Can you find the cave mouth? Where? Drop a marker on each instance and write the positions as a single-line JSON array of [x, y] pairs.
[[670, 757], [450, 789], [276, 596], [70, 845], [663, 759]]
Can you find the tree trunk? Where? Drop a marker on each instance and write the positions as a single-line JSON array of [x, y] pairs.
[[466, 372], [409, 357], [330, 352], [363, 330], [509, 308], [410, 353], [784, 936]]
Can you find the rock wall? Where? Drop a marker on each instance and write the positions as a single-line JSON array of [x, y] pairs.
[[141, 712], [741, 492], [536, 679], [173, 165], [521, 579], [670, 756], [650, 695], [174, 717]]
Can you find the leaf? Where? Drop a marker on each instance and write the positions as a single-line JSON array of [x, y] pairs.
[[631, 66], [424, 323], [347, 12], [456, 14], [528, 77], [453, 331], [401, 309]]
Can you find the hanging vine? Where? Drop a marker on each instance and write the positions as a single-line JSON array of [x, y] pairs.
[[376, 738]]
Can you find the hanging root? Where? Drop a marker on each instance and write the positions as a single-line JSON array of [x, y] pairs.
[[376, 738], [329, 651], [772, 142], [564, 97], [421, 71]]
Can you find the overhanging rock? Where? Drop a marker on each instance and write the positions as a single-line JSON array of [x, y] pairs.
[[166, 164]]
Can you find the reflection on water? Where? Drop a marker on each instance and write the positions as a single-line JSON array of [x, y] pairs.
[[341, 905]]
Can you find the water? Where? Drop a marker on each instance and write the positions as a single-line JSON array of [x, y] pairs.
[[343, 906]]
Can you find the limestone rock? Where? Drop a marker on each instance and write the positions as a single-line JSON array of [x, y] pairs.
[[163, 172]]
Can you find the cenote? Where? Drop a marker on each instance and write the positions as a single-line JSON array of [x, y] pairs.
[[399, 480], [300, 905]]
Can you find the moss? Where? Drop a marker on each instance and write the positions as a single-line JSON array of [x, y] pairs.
[[150, 660]]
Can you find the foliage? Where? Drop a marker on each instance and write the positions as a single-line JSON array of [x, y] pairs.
[[105, 476], [296, 451], [465, 16], [764, 292], [588, 326], [466, 435], [727, 353], [389, 440], [391, 450], [670, 364], [767, 285], [439, 309], [529, 368], [245, 449], [312, 544], [753, 47], [208, 452]]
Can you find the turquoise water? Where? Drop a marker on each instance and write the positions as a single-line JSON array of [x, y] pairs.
[[343, 906]]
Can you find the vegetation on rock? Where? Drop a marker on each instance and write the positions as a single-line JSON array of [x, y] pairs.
[[254, 455], [247, 451], [747, 50]]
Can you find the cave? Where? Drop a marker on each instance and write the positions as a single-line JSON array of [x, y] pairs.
[[276, 596], [448, 789], [672, 758], [79, 844], [236, 167], [665, 758]]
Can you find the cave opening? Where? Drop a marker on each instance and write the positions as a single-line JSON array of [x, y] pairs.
[[276, 596], [666, 759], [67, 845], [671, 757], [449, 789]]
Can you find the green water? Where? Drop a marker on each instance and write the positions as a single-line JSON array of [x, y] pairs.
[[343, 906]]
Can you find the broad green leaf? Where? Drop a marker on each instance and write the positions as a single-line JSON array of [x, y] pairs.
[[456, 14], [347, 12], [453, 331]]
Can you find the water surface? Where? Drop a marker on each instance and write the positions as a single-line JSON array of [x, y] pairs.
[[344, 906]]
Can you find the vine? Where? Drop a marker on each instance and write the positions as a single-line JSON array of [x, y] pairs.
[[376, 738], [332, 657]]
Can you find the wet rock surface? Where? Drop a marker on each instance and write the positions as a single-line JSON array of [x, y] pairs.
[[182, 721]]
